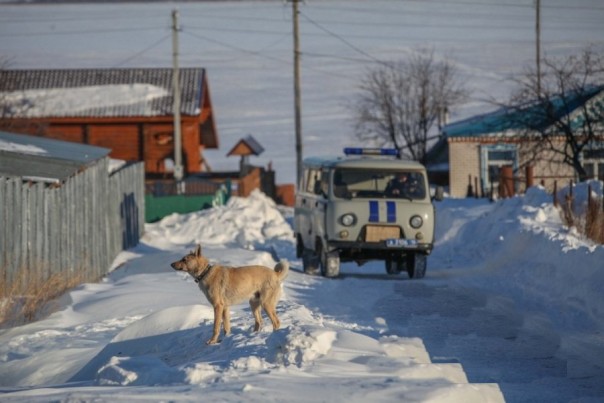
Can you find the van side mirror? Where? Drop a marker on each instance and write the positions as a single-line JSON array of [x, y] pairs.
[[439, 193]]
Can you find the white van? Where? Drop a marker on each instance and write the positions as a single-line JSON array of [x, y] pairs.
[[369, 205]]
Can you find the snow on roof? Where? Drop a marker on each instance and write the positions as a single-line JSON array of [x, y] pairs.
[[58, 102], [20, 148], [99, 92]]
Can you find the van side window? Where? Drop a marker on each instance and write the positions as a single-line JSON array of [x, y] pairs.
[[304, 180], [314, 181], [324, 182]]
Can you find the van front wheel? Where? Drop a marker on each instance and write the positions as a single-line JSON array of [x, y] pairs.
[[417, 264]]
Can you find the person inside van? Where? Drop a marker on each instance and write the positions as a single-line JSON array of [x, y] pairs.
[[399, 185]]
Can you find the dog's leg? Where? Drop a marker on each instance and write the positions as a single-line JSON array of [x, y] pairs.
[[270, 310], [218, 309], [226, 315], [255, 305]]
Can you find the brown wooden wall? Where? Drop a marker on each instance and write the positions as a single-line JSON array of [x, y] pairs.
[[151, 142], [123, 140]]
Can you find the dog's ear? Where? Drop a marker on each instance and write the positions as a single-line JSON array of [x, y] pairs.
[[198, 250]]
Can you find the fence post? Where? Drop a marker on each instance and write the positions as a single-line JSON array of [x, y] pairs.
[[476, 195], [530, 179], [555, 193], [507, 181]]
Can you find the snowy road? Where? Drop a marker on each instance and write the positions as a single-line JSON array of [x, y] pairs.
[[493, 320], [493, 337]]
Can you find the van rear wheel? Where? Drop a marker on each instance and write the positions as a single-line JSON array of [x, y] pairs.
[[310, 262], [330, 264]]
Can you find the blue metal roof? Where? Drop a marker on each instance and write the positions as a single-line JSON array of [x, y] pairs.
[[530, 115], [43, 158]]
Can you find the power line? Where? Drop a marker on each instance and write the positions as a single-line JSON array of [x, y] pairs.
[[461, 3], [259, 53], [232, 47], [355, 48], [145, 50], [84, 32], [240, 30]]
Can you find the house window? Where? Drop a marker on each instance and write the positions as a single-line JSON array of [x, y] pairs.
[[593, 162], [492, 159]]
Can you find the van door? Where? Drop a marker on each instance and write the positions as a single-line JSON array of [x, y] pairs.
[[310, 207], [306, 202]]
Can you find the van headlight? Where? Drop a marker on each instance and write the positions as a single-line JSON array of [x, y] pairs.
[[348, 220], [416, 221]]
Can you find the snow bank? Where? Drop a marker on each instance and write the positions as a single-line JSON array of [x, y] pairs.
[[521, 244], [250, 223], [520, 248]]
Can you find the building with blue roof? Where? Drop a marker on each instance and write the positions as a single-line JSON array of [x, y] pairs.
[[471, 153]]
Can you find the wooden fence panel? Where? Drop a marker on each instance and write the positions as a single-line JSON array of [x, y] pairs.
[[75, 229]]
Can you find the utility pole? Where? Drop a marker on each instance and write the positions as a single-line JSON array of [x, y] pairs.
[[297, 100], [538, 44], [178, 171]]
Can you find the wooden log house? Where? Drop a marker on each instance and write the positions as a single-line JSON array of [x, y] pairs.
[[126, 110]]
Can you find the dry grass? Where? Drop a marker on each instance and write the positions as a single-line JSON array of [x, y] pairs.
[[590, 223], [26, 297]]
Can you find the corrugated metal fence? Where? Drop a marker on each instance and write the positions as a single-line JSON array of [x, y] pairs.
[[77, 228]]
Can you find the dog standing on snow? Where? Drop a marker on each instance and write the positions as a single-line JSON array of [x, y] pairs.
[[225, 286]]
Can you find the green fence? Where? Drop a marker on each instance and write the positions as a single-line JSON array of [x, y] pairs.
[[157, 207]]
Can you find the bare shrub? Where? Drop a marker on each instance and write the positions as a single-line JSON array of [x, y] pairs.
[[589, 223], [594, 221], [23, 299]]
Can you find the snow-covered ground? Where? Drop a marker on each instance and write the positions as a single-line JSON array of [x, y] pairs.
[[246, 47], [512, 301], [511, 308]]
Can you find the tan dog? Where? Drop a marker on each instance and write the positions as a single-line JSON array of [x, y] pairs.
[[225, 286]]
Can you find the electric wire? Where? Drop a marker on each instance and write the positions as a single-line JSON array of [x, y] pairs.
[[232, 47], [145, 50], [340, 38], [79, 32]]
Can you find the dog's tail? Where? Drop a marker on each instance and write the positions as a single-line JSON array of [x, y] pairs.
[[282, 268]]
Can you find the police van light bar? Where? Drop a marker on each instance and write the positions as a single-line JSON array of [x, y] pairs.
[[370, 151]]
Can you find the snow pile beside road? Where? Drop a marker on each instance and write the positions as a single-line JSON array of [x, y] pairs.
[[521, 244], [519, 247], [252, 223]]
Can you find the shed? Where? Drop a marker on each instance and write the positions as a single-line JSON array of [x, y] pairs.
[[128, 111], [45, 160]]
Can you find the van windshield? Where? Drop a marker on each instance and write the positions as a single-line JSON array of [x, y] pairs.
[[356, 183]]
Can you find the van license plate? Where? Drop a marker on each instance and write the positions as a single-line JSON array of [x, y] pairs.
[[400, 243]]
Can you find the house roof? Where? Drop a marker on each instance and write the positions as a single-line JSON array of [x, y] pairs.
[[246, 146], [99, 92], [528, 115], [43, 159]]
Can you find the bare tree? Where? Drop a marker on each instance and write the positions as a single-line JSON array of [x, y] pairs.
[[400, 104], [565, 114]]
